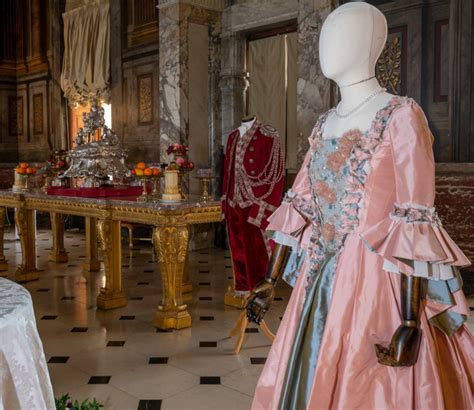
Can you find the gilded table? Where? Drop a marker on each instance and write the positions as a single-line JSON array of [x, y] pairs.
[[103, 218]]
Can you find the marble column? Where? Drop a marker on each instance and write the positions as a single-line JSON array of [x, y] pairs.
[[215, 104], [174, 87], [175, 17], [233, 82], [178, 20]]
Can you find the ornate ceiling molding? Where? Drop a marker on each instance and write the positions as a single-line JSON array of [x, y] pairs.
[[218, 5]]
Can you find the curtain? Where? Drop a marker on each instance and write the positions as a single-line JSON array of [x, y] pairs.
[[86, 67], [272, 93], [267, 90], [291, 126]]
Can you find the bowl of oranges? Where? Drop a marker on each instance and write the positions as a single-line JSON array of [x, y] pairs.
[[22, 172], [148, 174], [142, 170]]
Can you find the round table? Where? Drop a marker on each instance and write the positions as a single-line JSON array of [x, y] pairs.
[[24, 377]]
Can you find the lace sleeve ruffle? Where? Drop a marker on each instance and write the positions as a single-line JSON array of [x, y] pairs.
[[291, 222], [413, 241]]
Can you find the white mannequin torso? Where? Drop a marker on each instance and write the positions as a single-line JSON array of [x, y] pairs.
[[245, 126], [351, 41]]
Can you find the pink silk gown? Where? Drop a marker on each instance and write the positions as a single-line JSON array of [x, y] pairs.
[[361, 209]]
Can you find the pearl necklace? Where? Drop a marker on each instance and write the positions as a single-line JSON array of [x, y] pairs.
[[370, 97], [357, 82]]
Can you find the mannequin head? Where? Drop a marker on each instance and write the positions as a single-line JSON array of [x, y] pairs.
[[351, 40]]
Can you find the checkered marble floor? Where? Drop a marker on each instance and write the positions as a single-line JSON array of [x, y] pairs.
[[118, 357]]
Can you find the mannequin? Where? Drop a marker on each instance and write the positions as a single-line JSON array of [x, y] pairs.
[[252, 189], [246, 124], [361, 212], [353, 69], [352, 65]]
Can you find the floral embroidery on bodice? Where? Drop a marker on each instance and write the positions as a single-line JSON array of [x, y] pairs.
[[328, 170], [338, 170]]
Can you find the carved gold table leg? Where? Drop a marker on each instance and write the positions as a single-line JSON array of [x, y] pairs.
[[3, 261], [171, 247], [111, 296], [58, 252], [187, 285], [25, 223], [91, 263]]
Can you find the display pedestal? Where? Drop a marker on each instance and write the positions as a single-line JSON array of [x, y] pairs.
[[171, 193], [172, 320], [111, 300], [231, 298]]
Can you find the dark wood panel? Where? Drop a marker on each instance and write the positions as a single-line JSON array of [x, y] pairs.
[[145, 11], [441, 58], [125, 100], [15, 116], [145, 99], [38, 125]]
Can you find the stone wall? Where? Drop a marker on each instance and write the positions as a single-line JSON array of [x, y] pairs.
[[313, 90], [32, 113], [432, 44]]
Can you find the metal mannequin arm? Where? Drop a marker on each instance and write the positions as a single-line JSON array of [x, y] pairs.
[[261, 297]]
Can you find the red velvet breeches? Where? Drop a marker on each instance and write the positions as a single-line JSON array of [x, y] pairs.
[[248, 249]]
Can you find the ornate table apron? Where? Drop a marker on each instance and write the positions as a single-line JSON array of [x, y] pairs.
[[103, 221]]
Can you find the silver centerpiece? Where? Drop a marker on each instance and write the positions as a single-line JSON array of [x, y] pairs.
[[98, 156]]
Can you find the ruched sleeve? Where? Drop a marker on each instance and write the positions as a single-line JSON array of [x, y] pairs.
[[291, 222], [412, 239]]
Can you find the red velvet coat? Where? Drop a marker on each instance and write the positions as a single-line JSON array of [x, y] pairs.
[[253, 151]]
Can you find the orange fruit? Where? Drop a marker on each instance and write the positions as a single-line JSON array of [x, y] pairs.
[[141, 165], [20, 170], [156, 171], [30, 170], [148, 172], [138, 172], [23, 165]]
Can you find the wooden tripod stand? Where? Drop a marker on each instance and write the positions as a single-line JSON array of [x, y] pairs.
[[240, 327]]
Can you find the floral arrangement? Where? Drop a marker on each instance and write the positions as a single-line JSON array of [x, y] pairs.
[[57, 160], [178, 165], [180, 161], [177, 149], [65, 402], [56, 164]]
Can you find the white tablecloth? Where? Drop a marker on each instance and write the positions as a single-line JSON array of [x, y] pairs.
[[24, 377]]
